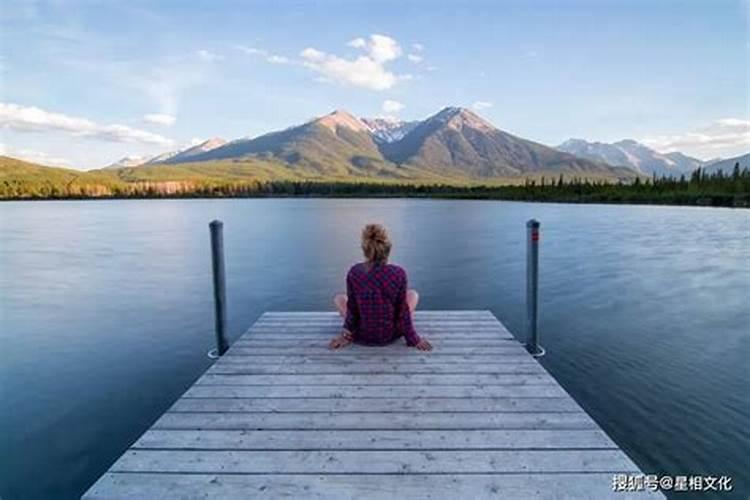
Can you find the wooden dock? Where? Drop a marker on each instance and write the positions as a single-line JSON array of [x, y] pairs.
[[281, 415]]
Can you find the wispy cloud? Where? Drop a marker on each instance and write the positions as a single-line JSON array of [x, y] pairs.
[[268, 56], [726, 136], [367, 70], [160, 119], [392, 107], [274, 59], [208, 56], [32, 119], [480, 105], [163, 81]]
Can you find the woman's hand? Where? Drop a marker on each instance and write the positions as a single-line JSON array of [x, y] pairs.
[[424, 345], [342, 340]]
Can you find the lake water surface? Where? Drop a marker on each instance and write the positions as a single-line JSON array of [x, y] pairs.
[[106, 314]]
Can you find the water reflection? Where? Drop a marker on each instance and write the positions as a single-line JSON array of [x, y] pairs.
[[106, 313]]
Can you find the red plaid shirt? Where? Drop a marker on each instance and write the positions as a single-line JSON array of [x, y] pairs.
[[377, 312]]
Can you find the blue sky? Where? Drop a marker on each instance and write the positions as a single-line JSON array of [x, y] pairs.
[[85, 83]]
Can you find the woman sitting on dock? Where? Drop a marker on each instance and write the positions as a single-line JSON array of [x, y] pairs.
[[377, 306]]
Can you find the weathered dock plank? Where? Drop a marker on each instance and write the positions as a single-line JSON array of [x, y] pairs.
[[399, 439], [374, 420], [386, 405], [572, 486], [281, 415], [374, 462], [375, 391], [324, 368]]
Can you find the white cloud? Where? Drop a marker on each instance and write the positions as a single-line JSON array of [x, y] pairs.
[[366, 71], [723, 137], [358, 43], [207, 56], [415, 58], [34, 156], [251, 51], [383, 48], [733, 122], [33, 119], [274, 59], [480, 105], [392, 107], [268, 56], [417, 46], [159, 119]]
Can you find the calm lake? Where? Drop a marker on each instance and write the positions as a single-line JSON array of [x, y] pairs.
[[106, 314]]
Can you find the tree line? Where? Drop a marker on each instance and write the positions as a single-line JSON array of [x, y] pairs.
[[700, 188]]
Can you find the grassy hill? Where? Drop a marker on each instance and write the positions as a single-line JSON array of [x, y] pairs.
[[20, 179]]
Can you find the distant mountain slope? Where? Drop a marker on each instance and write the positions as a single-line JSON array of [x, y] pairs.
[[727, 166], [188, 154], [630, 153], [129, 161], [458, 141], [683, 162], [179, 156], [335, 144]]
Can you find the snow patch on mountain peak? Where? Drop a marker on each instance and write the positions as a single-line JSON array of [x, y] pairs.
[[388, 129]]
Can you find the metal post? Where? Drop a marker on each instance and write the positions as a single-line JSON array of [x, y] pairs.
[[220, 296], [532, 285]]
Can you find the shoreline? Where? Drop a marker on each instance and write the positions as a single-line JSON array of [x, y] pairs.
[[701, 202]]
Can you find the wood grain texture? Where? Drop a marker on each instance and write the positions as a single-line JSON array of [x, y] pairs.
[[524, 486], [281, 415]]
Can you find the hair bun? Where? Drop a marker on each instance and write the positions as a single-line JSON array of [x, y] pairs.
[[375, 243], [375, 233]]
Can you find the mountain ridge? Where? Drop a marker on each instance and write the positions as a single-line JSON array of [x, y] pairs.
[[633, 154]]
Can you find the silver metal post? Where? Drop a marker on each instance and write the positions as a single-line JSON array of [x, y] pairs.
[[532, 288], [220, 296]]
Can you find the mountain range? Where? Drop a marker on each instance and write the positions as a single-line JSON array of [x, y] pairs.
[[632, 154], [453, 146], [179, 156], [454, 143]]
